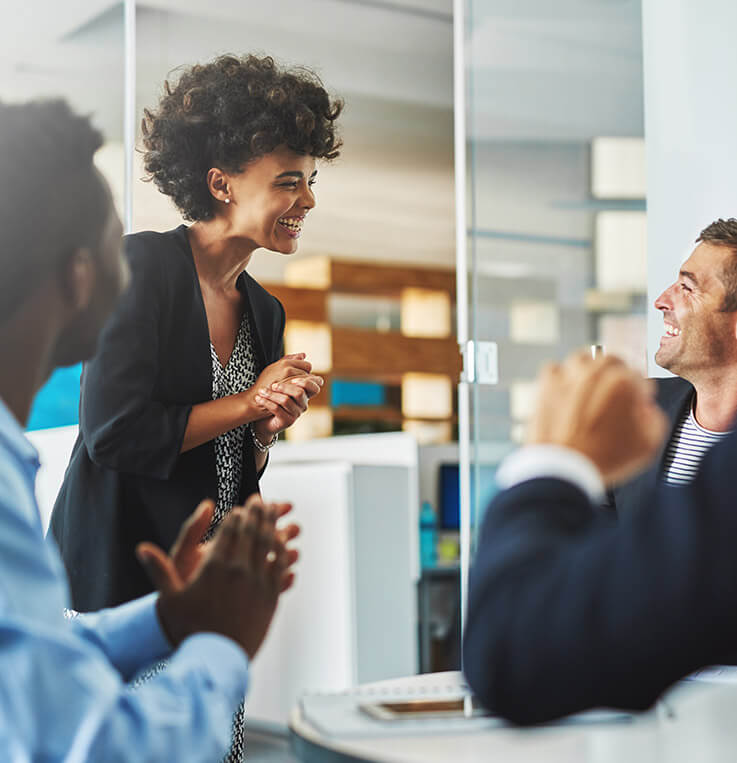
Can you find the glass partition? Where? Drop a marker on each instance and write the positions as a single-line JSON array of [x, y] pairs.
[[555, 202], [385, 203], [76, 53]]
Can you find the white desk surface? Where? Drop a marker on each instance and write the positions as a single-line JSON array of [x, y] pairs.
[[694, 722]]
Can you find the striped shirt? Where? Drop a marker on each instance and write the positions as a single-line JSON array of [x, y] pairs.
[[687, 447]]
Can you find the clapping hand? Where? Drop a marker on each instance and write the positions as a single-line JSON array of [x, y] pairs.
[[229, 585], [603, 410]]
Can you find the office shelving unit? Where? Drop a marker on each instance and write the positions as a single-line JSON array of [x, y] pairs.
[[417, 363]]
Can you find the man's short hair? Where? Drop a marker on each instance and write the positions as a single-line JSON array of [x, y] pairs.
[[724, 233], [52, 201]]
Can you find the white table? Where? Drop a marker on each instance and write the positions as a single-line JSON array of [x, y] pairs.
[[694, 723]]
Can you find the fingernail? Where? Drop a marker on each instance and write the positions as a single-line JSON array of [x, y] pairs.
[[258, 398], [264, 391], [275, 385]]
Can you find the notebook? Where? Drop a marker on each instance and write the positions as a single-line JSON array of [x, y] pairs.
[[339, 714]]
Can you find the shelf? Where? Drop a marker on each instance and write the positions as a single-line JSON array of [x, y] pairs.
[[351, 277], [377, 413], [423, 358], [367, 413], [386, 356], [303, 304]]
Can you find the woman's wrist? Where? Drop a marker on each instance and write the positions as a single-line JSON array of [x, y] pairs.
[[251, 410], [262, 440]]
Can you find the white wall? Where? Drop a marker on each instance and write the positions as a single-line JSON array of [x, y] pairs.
[[690, 131], [54, 448]]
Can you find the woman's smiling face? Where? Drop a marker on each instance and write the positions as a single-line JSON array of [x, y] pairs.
[[269, 200]]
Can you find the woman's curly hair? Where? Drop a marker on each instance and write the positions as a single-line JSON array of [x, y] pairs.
[[228, 112]]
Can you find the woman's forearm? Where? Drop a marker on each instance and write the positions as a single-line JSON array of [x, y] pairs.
[[215, 417], [260, 459]]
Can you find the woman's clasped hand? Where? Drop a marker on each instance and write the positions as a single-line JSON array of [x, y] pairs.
[[283, 391]]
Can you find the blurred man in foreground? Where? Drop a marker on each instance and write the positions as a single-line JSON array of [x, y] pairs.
[[63, 690], [568, 611]]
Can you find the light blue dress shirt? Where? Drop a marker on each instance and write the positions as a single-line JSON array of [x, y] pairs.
[[63, 683]]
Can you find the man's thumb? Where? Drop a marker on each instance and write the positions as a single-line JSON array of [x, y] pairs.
[[159, 567]]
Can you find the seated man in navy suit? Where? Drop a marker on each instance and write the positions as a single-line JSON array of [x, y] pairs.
[[569, 611], [699, 344]]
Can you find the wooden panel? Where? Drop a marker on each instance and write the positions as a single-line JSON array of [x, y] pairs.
[[385, 357], [301, 304], [323, 399], [388, 280], [351, 277], [377, 413], [367, 413]]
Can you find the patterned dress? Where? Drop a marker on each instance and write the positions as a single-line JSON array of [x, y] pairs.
[[238, 375]]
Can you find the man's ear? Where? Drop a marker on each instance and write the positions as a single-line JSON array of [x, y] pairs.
[[78, 279]]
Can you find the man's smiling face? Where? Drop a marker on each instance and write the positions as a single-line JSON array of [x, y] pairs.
[[699, 335]]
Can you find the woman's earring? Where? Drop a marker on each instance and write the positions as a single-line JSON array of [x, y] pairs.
[[227, 201]]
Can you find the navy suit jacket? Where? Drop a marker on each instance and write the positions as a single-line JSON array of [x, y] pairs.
[[568, 610], [127, 480], [673, 395]]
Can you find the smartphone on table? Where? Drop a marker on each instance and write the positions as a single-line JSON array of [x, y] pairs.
[[419, 709]]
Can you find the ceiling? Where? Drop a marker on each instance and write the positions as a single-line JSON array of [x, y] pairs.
[[394, 51], [538, 71], [567, 70]]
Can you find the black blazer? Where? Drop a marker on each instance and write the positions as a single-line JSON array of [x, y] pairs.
[[127, 481], [674, 396], [568, 610]]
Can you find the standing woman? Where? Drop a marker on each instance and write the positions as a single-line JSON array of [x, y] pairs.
[[189, 388]]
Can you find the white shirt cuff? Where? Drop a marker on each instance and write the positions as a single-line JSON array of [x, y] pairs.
[[535, 461]]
